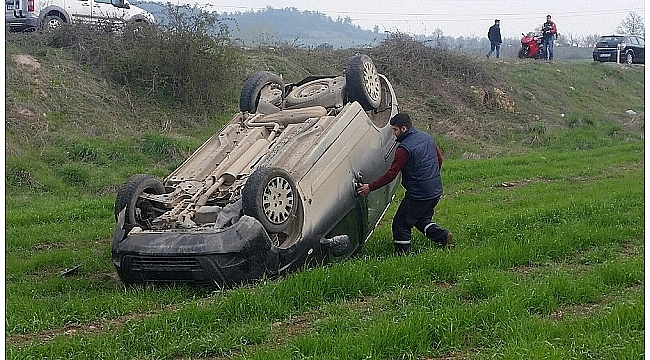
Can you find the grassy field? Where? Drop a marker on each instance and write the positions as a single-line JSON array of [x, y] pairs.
[[547, 212], [548, 264]]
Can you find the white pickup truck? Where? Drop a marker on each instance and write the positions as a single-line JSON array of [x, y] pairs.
[[24, 15]]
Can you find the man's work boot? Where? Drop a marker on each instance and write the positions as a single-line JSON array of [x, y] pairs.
[[402, 247], [448, 240]]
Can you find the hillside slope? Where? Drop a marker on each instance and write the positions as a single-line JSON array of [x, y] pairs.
[[57, 106]]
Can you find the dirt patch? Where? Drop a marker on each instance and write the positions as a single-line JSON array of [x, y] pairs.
[[296, 325], [93, 327], [27, 61], [364, 304], [48, 246], [629, 249], [493, 98], [510, 184], [24, 111], [112, 278], [444, 285], [584, 310], [524, 270], [109, 190], [453, 356], [591, 308]]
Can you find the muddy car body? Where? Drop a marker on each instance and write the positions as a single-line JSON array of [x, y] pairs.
[[271, 192]]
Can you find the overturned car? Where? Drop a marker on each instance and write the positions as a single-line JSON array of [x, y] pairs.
[[271, 192]]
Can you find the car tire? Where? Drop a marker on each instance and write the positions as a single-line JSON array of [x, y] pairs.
[[309, 92], [139, 212], [270, 195], [250, 92], [52, 22], [362, 82], [629, 57], [522, 53]]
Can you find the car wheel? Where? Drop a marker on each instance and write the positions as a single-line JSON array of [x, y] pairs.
[[309, 92], [270, 195], [250, 92], [629, 57], [138, 211], [52, 22], [362, 82]]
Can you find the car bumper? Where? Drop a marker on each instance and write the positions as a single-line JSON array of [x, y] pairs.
[[21, 24], [607, 55], [224, 257]]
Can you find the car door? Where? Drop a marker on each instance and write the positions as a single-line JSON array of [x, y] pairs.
[[104, 12], [80, 10]]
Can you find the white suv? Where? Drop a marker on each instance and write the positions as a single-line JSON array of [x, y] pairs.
[[21, 15]]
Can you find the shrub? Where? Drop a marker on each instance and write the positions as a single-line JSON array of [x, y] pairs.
[[185, 62]]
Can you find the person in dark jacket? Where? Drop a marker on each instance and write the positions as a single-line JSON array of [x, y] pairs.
[[549, 33], [419, 160], [494, 34]]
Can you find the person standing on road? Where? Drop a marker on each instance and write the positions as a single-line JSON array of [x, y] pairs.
[[549, 33], [494, 34], [418, 158]]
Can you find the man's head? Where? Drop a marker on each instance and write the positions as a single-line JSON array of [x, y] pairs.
[[401, 123], [497, 22], [548, 17]]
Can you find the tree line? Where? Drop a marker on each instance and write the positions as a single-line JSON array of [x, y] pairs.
[[312, 29]]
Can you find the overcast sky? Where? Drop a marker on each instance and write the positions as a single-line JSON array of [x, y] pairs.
[[457, 17]]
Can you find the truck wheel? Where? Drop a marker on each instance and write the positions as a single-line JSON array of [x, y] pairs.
[[52, 22], [138, 211], [629, 57], [252, 88], [270, 196], [362, 82]]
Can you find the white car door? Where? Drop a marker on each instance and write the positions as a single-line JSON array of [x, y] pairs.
[[81, 10], [105, 12]]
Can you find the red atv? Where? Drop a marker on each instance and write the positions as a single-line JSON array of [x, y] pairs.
[[531, 47]]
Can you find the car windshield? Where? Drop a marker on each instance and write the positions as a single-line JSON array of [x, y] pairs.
[[611, 39]]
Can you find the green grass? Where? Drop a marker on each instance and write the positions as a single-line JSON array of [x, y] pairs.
[[547, 213], [550, 267]]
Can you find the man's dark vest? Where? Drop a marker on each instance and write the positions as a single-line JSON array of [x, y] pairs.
[[548, 35], [420, 174]]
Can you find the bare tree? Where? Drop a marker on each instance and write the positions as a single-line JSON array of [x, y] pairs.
[[632, 24], [568, 39], [438, 38], [590, 40]]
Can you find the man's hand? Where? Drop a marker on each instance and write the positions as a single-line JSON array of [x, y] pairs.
[[363, 190]]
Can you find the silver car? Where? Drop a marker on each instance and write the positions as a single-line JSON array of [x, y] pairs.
[[272, 192]]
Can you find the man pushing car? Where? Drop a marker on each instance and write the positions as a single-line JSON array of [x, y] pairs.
[[419, 160]]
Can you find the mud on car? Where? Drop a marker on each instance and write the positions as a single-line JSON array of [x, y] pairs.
[[273, 191]]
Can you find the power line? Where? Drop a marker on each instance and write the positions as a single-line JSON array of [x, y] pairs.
[[490, 17], [527, 14]]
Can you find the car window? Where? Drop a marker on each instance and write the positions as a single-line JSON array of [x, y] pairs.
[[632, 40], [641, 41], [611, 39]]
